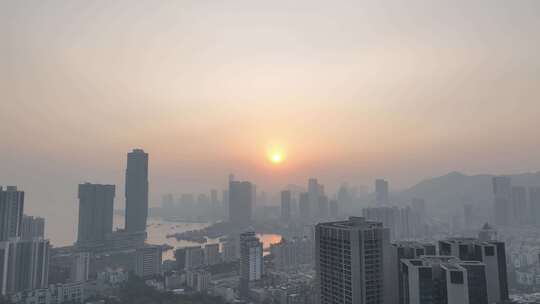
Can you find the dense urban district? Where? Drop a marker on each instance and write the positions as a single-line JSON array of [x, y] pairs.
[[352, 246]]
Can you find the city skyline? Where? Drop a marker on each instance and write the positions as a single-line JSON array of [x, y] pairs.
[[456, 80]]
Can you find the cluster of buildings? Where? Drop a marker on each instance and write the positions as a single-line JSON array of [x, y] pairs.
[[33, 272], [515, 205], [404, 222], [292, 254], [23, 260], [195, 207], [125, 247], [356, 263], [350, 261]]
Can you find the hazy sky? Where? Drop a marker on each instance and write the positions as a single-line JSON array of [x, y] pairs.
[[350, 90]]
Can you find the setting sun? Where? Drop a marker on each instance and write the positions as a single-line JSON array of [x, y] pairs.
[[276, 157]]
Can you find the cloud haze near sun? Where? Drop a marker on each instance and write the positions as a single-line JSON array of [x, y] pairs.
[[352, 90]]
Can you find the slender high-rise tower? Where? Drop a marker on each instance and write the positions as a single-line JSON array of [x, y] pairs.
[[11, 212], [136, 191], [251, 261], [285, 205], [381, 192], [502, 197]]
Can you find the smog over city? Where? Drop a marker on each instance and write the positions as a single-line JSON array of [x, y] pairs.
[[288, 152]]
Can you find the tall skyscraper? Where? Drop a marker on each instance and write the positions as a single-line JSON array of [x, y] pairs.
[[32, 227], [136, 191], [419, 216], [519, 206], [241, 196], [502, 194], [491, 253], [225, 202], [381, 192], [350, 258], [468, 216], [96, 204], [314, 191], [534, 205], [323, 207], [334, 209], [11, 212], [24, 265], [251, 261], [285, 206], [344, 197], [303, 206], [406, 223]]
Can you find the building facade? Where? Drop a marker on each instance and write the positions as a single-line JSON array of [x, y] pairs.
[[136, 191], [286, 198], [491, 253], [96, 206], [350, 261], [11, 212], [24, 265], [443, 280], [502, 197], [148, 261], [241, 200], [381, 192], [251, 261], [32, 227]]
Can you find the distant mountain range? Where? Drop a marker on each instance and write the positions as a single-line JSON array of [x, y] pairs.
[[451, 191]]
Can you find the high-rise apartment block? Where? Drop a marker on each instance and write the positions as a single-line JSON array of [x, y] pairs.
[[314, 191], [32, 227], [290, 254], [350, 259], [304, 206], [491, 253], [148, 261], [96, 204], [400, 221], [519, 207], [136, 191], [381, 192], [24, 265], [398, 251], [241, 200], [286, 198], [251, 261], [11, 212], [534, 205], [502, 197], [443, 280], [80, 267]]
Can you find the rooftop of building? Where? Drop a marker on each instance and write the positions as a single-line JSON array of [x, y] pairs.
[[468, 241], [447, 262], [352, 222], [411, 244]]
